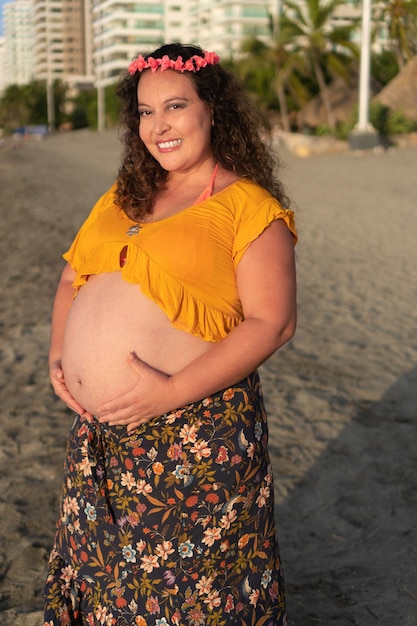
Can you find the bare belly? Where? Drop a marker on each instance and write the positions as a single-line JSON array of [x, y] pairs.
[[108, 319]]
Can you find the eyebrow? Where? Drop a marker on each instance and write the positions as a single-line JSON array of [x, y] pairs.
[[167, 101]]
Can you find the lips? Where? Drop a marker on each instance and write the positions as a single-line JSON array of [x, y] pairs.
[[168, 145]]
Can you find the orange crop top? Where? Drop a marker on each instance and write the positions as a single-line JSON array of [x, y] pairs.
[[185, 263]]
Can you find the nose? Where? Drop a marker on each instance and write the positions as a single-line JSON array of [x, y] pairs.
[[160, 123]]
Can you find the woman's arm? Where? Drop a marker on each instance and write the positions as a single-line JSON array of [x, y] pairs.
[[267, 289], [62, 304]]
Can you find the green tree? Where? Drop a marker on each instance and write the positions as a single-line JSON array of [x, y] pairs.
[[113, 106], [307, 29], [256, 70], [60, 102], [24, 105], [384, 66], [273, 74], [84, 112], [290, 77], [35, 95], [399, 17], [14, 108]]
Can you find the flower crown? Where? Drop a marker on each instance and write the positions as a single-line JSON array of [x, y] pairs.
[[193, 64]]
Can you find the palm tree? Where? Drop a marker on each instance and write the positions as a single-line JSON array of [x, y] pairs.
[[256, 69], [274, 67], [306, 28], [289, 70], [400, 19]]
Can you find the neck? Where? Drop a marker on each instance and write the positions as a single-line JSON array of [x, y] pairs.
[[194, 175]]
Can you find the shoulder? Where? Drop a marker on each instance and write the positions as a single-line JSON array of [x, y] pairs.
[[109, 196], [106, 201], [246, 196], [255, 208]]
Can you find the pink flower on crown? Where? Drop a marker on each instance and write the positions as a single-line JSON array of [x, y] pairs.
[[153, 63], [137, 64], [133, 67], [177, 65], [211, 57], [189, 66], [194, 64], [141, 63], [166, 63], [200, 62]]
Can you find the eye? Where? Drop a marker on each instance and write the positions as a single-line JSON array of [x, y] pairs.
[[144, 113], [176, 106]]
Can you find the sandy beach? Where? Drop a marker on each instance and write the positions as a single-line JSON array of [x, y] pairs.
[[341, 397]]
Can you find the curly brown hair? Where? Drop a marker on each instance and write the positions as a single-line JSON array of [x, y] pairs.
[[236, 138]]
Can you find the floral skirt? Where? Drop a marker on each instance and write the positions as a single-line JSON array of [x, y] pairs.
[[172, 524]]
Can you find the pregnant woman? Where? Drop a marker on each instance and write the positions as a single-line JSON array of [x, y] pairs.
[[179, 284]]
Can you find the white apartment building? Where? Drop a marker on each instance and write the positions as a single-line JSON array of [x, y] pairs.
[[18, 66], [63, 48], [49, 39], [77, 42], [122, 29], [222, 25]]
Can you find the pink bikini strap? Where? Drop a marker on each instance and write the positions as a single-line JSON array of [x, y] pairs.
[[209, 189]]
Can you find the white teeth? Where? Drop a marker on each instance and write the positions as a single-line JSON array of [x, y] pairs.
[[169, 144]]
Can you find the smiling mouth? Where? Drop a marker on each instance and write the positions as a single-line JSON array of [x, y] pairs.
[[166, 145]]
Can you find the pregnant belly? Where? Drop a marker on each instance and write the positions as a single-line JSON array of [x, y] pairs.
[[109, 319]]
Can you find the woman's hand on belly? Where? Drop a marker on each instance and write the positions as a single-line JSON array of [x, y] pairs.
[[57, 378], [148, 398]]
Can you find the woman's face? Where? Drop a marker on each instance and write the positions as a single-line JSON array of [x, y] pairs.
[[174, 124]]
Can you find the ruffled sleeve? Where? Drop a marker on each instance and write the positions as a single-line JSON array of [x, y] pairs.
[[74, 255], [251, 223]]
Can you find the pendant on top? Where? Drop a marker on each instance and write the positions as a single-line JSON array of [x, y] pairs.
[[133, 230]]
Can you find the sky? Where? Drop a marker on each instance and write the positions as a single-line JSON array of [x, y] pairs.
[[1, 16], [2, 2]]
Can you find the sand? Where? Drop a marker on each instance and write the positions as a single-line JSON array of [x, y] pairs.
[[341, 397]]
